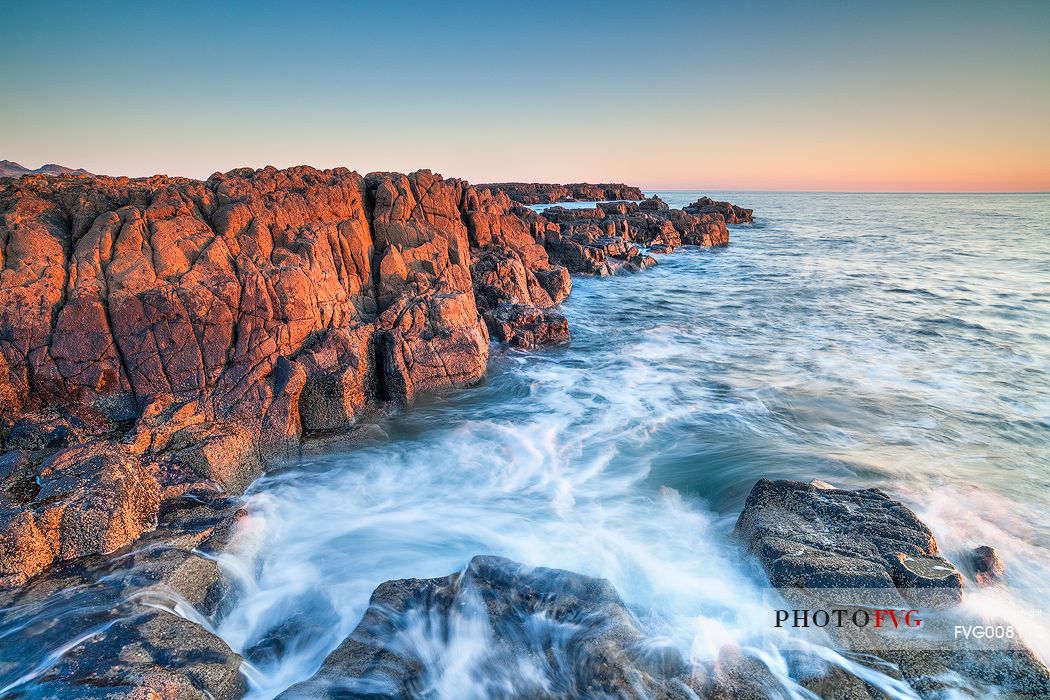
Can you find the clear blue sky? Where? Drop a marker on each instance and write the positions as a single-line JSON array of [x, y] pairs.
[[879, 95]]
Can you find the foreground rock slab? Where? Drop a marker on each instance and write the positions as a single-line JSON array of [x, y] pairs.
[[828, 548], [546, 633], [131, 626]]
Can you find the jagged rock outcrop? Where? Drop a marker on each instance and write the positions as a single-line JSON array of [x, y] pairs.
[[549, 193], [165, 335], [730, 212], [161, 335], [602, 240], [550, 634], [515, 283]]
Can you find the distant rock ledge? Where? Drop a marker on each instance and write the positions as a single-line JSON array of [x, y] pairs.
[[163, 336], [549, 193]]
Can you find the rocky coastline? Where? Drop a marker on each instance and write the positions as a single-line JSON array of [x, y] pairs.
[[165, 337], [165, 341], [819, 546]]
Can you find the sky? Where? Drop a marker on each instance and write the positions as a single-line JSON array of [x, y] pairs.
[[857, 96]]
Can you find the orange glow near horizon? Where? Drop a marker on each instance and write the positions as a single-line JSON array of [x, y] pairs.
[[935, 96]]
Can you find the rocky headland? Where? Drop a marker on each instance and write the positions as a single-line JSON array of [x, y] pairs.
[[163, 341], [164, 338]]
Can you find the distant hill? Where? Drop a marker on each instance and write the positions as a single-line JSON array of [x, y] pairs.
[[9, 168]]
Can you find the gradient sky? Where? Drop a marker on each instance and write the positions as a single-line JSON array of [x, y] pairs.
[[935, 96]]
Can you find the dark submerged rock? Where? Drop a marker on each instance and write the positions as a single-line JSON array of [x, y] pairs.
[[546, 633], [987, 566]]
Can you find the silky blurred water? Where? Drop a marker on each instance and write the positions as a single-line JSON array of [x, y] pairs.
[[899, 341]]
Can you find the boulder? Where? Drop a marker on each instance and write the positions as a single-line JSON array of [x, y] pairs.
[[546, 633], [730, 212], [92, 498], [987, 566], [827, 548], [527, 327], [807, 535]]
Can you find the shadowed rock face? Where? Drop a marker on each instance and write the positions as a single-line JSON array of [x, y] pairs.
[[548, 634], [547, 193], [161, 336]]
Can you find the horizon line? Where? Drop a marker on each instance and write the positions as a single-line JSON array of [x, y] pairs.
[[644, 187], [802, 191]]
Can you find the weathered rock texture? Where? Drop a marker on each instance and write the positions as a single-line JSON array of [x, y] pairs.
[[828, 548], [162, 335], [548, 193], [809, 535], [550, 634], [604, 239], [732, 213], [117, 619]]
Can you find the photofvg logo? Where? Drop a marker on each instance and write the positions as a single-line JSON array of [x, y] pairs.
[[839, 617], [872, 619]]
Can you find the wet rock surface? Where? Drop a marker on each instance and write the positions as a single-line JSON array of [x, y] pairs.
[[987, 566], [810, 535], [133, 625], [549, 634], [828, 548]]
